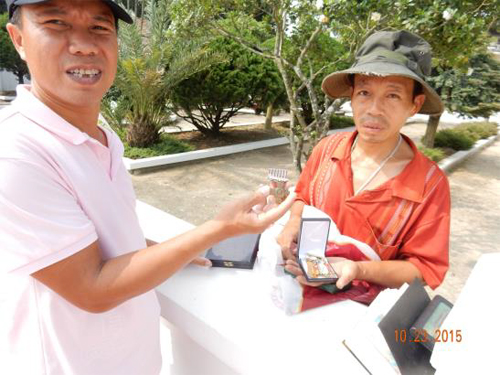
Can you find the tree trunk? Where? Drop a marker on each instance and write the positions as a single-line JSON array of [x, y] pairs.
[[142, 134], [297, 154], [142, 15], [20, 78], [430, 131], [269, 117]]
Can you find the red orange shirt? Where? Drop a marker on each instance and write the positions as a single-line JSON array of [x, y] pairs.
[[406, 218]]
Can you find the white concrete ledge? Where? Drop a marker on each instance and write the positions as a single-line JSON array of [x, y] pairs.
[[7, 98], [451, 162], [157, 161]]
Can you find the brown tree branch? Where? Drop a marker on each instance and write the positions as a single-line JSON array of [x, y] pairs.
[[249, 46], [308, 45]]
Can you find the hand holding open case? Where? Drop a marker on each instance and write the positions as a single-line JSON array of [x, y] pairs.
[[313, 238]]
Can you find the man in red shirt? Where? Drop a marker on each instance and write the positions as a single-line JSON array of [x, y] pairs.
[[374, 183]]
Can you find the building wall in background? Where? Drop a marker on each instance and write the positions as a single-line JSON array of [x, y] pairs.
[[8, 81]]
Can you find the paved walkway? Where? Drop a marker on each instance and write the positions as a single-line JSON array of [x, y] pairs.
[[475, 216], [195, 192]]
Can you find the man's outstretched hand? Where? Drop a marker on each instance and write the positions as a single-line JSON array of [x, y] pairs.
[[253, 213], [96, 285]]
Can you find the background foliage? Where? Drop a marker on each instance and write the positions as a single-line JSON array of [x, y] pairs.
[[152, 62], [208, 99], [9, 58], [475, 92], [294, 34]]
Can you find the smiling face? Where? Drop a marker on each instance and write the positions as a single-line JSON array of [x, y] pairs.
[[381, 106], [71, 50]]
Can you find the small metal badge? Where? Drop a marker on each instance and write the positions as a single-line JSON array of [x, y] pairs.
[[228, 264], [278, 180], [318, 267]]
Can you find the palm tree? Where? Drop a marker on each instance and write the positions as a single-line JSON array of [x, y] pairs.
[[152, 61]]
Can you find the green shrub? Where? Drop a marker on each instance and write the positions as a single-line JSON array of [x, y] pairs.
[[167, 145], [467, 132], [340, 122], [209, 98], [482, 130], [435, 154], [454, 138]]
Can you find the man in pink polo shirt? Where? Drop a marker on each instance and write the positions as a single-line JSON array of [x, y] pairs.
[[76, 274]]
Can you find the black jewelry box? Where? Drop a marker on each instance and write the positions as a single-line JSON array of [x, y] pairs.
[[311, 246], [235, 252]]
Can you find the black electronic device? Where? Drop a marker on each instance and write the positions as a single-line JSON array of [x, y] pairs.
[[409, 328], [426, 329]]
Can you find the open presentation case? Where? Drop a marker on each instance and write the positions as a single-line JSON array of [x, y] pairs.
[[312, 241]]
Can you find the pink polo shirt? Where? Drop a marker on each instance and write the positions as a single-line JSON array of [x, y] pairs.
[[61, 190]]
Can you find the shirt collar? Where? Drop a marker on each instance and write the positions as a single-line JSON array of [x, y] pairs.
[[31, 107], [409, 184], [343, 150]]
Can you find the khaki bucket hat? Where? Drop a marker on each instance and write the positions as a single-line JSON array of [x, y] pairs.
[[389, 53]]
